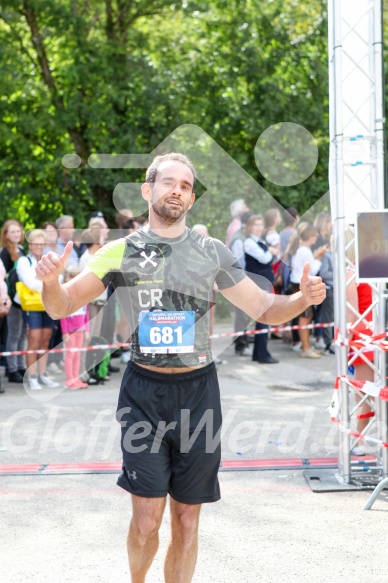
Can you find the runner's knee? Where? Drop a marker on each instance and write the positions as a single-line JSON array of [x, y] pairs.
[[185, 519], [145, 526]]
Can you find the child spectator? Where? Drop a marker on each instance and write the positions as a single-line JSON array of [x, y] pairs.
[[74, 332], [307, 236]]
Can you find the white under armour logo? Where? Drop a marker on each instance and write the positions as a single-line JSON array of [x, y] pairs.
[[133, 475], [147, 259]]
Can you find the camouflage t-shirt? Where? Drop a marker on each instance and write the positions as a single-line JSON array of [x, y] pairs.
[[165, 288]]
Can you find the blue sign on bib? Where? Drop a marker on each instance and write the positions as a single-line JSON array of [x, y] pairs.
[[166, 332]]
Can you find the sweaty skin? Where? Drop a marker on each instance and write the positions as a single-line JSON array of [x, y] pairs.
[[169, 198], [61, 300]]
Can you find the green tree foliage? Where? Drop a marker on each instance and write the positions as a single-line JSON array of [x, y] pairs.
[[118, 76]]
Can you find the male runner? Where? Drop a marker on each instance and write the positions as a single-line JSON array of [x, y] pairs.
[[164, 277]]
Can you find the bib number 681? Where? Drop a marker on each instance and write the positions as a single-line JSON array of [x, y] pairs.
[[165, 335]]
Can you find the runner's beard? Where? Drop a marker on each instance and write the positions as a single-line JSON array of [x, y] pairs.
[[168, 213]]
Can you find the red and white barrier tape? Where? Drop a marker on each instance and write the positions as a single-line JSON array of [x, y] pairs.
[[59, 350], [366, 387], [118, 345], [360, 435], [272, 329], [364, 341]]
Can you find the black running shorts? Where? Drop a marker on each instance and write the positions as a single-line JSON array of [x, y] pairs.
[[170, 436]]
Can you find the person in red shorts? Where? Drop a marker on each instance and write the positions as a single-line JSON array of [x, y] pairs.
[[359, 296]]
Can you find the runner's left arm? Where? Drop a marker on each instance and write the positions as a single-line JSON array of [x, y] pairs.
[[276, 309]]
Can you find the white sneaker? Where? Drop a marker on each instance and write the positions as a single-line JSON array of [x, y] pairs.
[[358, 450], [297, 347], [54, 368], [328, 351], [244, 352], [47, 382], [320, 343], [33, 384], [84, 377], [125, 357], [310, 353]]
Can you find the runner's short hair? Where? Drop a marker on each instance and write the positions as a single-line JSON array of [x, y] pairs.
[[152, 170]]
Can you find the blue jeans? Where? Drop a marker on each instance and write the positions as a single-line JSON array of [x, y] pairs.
[[260, 351]]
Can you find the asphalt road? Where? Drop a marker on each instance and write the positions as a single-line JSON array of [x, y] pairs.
[[269, 525]]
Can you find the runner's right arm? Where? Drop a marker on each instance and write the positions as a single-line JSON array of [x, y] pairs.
[[61, 300]]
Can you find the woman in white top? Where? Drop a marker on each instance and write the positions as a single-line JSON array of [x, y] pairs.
[[39, 324], [307, 237]]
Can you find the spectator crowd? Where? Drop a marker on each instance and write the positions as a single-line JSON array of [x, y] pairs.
[[26, 326], [272, 248], [274, 257]]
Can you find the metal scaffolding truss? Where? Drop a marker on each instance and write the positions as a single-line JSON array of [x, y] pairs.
[[356, 185]]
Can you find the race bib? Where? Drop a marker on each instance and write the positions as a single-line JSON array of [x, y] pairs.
[[166, 332]]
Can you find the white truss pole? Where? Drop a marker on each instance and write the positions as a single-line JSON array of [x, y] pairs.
[[378, 65], [356, 165], [336, 180]]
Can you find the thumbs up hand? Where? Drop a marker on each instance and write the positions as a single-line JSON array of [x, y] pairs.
[[312, 287], [50, 267]]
